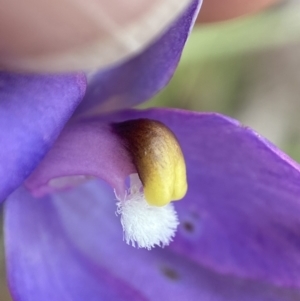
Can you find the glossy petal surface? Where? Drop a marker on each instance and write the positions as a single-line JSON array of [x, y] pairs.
[[69, 247], [142, 76], [241, 213], [33, 110]]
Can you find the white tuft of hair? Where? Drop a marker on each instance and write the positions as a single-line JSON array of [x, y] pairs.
[[145, 226]]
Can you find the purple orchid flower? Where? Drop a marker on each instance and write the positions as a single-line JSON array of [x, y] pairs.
[[238, 237]]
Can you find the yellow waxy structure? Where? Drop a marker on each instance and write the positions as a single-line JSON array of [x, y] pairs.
[[158, 158]]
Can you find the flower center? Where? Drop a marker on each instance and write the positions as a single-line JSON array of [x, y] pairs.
[[158, 158], [144, 225], [147, 215]]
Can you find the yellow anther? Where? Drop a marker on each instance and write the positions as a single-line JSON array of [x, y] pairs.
[[158, 158]]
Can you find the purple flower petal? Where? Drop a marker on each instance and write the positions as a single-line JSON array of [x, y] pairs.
[[43, 264], [84, 148], [241, 213], [143, 76], [69, 247], [33, 110]]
